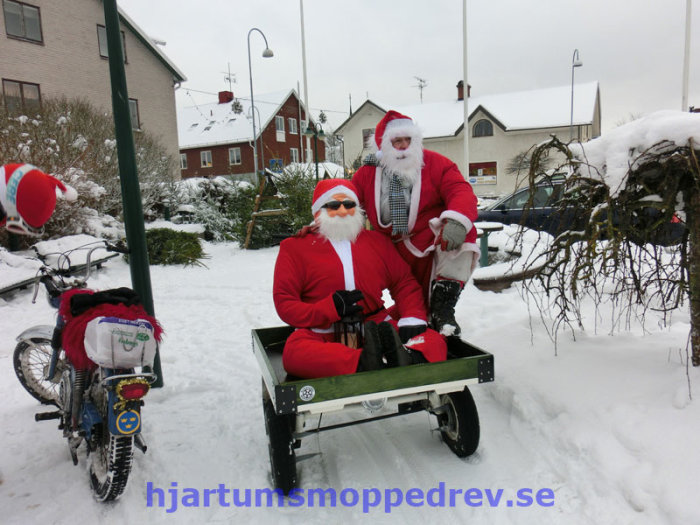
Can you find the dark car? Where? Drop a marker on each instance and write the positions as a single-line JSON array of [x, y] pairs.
[[544, 215]]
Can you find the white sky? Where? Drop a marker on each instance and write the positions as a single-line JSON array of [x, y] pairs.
[[634, 48]]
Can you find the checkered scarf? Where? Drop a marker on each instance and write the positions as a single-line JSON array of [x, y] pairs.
[[397, 205]]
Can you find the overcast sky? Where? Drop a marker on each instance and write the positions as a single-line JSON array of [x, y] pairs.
[[376, 48]]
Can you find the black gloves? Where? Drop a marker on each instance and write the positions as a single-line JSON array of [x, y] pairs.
[[345, 302], [409, 331]]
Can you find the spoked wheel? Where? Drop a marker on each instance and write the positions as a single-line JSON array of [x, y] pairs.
[[110, 465], [281, 446], [459, 423], [31, 361]]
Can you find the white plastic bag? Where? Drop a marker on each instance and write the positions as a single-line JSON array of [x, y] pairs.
[[112, 342]]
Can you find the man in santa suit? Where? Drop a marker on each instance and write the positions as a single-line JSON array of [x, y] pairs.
[[420, 200], [27, 198], [329, 280]]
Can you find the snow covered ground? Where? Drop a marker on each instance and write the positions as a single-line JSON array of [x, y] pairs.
[[608, 423]]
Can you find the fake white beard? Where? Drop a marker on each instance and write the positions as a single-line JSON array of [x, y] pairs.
[[406, 163], [341, 228]]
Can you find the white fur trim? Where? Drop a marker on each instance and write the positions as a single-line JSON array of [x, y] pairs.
[[328, 196], [408, 321], [459, 217], [344, 251], [412, 131]]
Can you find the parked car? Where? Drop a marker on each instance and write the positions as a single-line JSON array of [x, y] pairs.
[[545, 215]]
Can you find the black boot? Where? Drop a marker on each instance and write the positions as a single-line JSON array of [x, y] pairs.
[[395, 352], [371, 356], [443, 299]]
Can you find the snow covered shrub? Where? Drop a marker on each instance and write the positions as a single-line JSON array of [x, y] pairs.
[[166, 246], [75, 141]]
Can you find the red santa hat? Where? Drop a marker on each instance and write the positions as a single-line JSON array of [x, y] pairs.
[[393, 125], [28, 194], [326, 188]]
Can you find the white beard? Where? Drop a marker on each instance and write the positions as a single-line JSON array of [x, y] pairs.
[[405, 163], [341, 228]]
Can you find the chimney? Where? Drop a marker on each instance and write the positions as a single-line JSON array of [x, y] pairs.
[[460, 90], [225, 96]]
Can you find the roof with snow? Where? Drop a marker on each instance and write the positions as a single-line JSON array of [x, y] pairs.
[[518, 110], [151, 45], [214, 124]]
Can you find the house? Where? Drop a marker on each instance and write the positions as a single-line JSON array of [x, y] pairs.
[[217, 138], [501, 127], [53, 49]]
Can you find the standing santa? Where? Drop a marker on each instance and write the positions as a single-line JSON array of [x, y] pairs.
[[420, 200], [328, 284]]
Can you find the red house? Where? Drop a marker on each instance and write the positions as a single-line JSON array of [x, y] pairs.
[[217, 138]]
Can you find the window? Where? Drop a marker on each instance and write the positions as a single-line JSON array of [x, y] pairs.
[[102, 42], [234, 156], [183, 161], [293, 126], [21, 97], [367, 136], [294, 154], [206, 158], [279, 126], [22, 21], [483, 128], [134, 110]]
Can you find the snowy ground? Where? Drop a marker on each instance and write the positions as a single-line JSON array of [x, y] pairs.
[[607, 424]]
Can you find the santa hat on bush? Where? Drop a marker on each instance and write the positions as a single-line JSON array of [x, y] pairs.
[[326, 188], [394, 125], [28, 196]]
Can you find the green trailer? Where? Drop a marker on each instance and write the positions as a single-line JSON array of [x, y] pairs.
[[289, 403]]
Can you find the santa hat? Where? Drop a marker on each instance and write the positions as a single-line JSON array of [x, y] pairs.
[[326, 188], [393, 125], [28, 193]]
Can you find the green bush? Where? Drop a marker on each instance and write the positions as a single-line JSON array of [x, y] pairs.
[[166, 246]]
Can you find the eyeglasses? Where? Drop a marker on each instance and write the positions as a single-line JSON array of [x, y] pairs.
[[335, 205]]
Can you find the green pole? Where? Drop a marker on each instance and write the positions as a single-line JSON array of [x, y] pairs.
[[126, 153]]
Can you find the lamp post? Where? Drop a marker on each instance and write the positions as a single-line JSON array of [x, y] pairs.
[[315, 131], [575, 62], [342, 141], [267, 53], [262, 150]]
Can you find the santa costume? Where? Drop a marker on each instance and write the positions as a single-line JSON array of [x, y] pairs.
[[312, 266], [432, 192], [27, 198]]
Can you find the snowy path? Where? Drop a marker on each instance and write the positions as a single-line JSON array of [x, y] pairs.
[[607, 425]]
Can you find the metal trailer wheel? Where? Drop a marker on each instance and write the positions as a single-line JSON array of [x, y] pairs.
[[459, 423], [281, 445], [31, 362]]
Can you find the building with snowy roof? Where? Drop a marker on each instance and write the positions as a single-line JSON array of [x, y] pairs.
[[501, 126], [53, 49], [217, 138]]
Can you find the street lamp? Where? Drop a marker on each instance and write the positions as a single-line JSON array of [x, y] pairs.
[[262, 150], [267, 53], [342, 141], [315, 131], [575, 62]]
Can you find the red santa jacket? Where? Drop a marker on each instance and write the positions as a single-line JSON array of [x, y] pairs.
[[309, 270], [441, 192]]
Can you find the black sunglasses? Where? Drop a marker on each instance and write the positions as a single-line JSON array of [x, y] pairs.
[[335, 205]]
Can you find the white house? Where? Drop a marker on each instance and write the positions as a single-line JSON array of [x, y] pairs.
[[501, 126]]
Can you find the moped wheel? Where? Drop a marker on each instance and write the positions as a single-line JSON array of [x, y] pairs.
[[31, 362], [459, 423], [110, 465], [281, 446]]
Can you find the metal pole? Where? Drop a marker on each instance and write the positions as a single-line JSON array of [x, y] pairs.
[[306, 84], [575, 62], [252, 105], [126, 153], [316, 151], [466, 90], [686, 56]]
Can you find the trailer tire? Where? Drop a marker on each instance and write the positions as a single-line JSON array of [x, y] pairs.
[[459, 423], [281, 446]]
